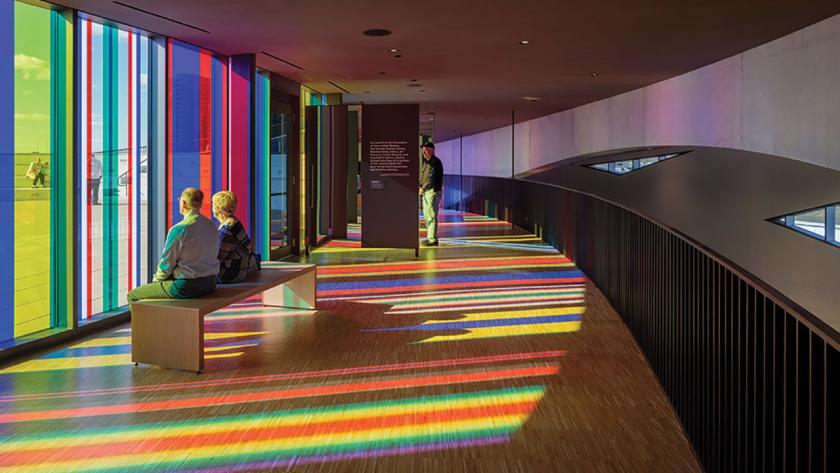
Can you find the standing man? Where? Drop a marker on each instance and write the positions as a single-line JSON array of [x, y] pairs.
[[189, 263], [431, 183], [95, 179]]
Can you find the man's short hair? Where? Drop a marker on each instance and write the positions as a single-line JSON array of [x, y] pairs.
[[193, 197], [225, 201]]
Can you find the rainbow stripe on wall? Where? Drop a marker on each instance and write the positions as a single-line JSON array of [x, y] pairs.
[[198, 124], [37, 235]]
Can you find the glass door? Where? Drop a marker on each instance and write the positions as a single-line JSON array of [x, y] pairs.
[[282, 177], [278, 180]]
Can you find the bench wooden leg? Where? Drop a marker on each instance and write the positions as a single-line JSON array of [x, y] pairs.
[[299, 293], [167, 337]]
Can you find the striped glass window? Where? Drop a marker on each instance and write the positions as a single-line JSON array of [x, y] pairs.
[[114, 113], [36, 144], [198, 125], [262, 183]]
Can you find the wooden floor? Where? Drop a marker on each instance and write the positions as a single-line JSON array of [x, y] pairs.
[[490, 353]]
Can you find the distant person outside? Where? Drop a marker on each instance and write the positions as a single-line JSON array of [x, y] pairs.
[[36, 172], [236, 260], [189, 263], [95, 179], [431, 183]]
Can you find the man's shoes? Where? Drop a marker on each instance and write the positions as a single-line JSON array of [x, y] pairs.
[[430, 243]]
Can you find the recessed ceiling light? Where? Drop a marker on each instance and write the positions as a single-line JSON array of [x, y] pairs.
[[532, 99], [524, 42], [376, 32], [594, 74], [393, 50]]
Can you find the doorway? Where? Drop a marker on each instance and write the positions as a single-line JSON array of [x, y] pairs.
[[283, 175]]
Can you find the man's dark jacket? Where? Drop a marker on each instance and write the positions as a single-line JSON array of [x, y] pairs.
[[431, 174]]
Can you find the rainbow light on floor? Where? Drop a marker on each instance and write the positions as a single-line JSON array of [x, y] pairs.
[[246, 423], [377, 452], [273, 395], [462, 300], [501, 324], [387, 286], [116, 351], [499, 299], [280, 438], [542, 248], [296, 376], [446, 265]]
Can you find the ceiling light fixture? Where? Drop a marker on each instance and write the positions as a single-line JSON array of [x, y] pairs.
[[161, 16], [282, 60], [524, 42], [532, 99], [376, 32], [594, 74], [394, 51], [338, 87]]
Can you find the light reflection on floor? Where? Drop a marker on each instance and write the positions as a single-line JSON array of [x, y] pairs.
[[406, 360]]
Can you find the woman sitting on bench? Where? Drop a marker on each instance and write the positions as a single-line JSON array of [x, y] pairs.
[[236, 260], [188, 265]]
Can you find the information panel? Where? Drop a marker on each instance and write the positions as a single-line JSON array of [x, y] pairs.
[[390, 175]]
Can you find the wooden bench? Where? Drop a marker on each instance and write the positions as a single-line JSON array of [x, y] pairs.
[[170, 332]]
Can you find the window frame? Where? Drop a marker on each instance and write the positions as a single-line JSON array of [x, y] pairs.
[[832, 235], [635, 163]]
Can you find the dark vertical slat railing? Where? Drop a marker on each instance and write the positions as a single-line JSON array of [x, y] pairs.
[[747, 373]]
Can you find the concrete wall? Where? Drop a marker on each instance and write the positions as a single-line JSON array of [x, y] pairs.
[[781, 98]]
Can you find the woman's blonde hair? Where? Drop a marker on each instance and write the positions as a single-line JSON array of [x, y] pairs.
[[225, 202]]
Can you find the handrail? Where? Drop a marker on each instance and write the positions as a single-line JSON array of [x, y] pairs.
[[815, 323], [740, 360]]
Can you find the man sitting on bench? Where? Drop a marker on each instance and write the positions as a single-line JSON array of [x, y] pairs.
[[189, 263]]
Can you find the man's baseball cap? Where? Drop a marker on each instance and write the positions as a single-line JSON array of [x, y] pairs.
[[428, 145]]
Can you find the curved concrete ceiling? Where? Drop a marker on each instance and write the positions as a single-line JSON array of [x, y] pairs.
[[467, 54]]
